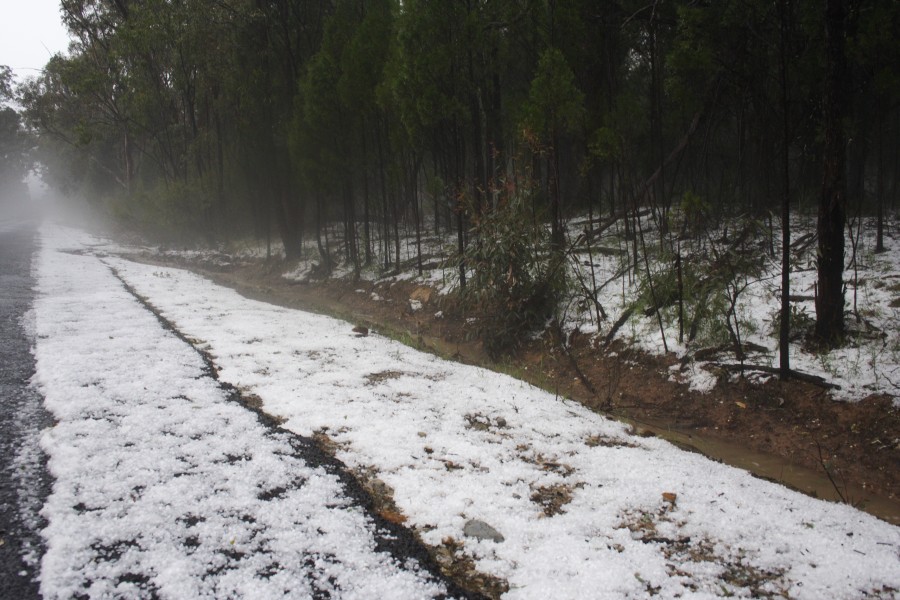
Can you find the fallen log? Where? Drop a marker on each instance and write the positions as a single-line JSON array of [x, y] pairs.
[[705, 354], [592, 233], [618, 325], [800, 245]]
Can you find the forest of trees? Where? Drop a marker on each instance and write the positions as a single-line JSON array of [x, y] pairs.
[[14, 142], [216, 118]]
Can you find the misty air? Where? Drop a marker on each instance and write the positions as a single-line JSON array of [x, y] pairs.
[[544, 299]]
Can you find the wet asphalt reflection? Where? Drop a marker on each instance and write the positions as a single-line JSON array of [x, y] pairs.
[[24, 481]]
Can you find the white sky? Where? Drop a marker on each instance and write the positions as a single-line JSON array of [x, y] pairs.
[[30, 32]]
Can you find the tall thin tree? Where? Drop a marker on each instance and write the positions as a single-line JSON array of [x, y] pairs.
[[833, 203]]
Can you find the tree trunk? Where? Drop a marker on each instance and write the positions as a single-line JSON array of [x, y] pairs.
[[879, 232], [557, 235], [386, 234], [784, 329], [460, 208], [287, 225], [367, 234], [324, 253], [414, 196], [435, 194], [833, 203], [660, 199]]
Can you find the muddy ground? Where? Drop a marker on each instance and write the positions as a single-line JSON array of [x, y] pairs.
[[791, 432]]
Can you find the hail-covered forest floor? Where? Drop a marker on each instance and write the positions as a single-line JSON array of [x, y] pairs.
[[838, 438], [462, 454]]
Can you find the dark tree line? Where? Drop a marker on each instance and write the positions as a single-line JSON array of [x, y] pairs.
[[390, 117], [15, 144]]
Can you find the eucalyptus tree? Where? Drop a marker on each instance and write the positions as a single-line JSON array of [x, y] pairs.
[[14, 142], [213, 110], [91, 89], [272, 43]]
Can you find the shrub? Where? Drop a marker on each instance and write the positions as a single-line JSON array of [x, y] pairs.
[[515, 281]]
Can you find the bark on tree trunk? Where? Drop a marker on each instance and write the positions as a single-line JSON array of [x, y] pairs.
[[386, 219], [557, 235], [784, 329], [879, 232], [367, 234], [287, 226], [833, 203]]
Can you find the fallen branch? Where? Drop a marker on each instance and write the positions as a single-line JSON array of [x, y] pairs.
[[620, 273], [706, 354], [618, 325], [592, 233], [601, 312], [436, 259], [798, 375], [827, 470], [803, 242], [717, 271], [643, 190]]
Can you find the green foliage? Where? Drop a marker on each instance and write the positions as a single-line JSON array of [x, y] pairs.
[[174, 213], [695, 209], [605, 145], [428, 65], [555, 104], [363, 60], [693, 205], [6, 81], [802, 323], [15, 142], [714, 276], [279, 108], [516, 283]]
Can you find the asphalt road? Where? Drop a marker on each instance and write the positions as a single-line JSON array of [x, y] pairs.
[[24, 481]]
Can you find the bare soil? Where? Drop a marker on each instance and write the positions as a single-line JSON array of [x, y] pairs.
[[791, 432]]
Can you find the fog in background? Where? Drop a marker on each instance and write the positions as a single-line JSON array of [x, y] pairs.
[[33, 200], [30, 33]]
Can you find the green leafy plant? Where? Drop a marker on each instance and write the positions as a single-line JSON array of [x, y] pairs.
[[516, 283]]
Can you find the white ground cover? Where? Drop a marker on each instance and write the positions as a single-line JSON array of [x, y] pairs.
[[456, 443], [867, 364], [26, 463], [162, 486]]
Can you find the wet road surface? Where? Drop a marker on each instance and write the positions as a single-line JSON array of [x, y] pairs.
[[24, 481]]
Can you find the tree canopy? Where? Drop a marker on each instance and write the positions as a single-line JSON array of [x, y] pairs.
[[212, 117]]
